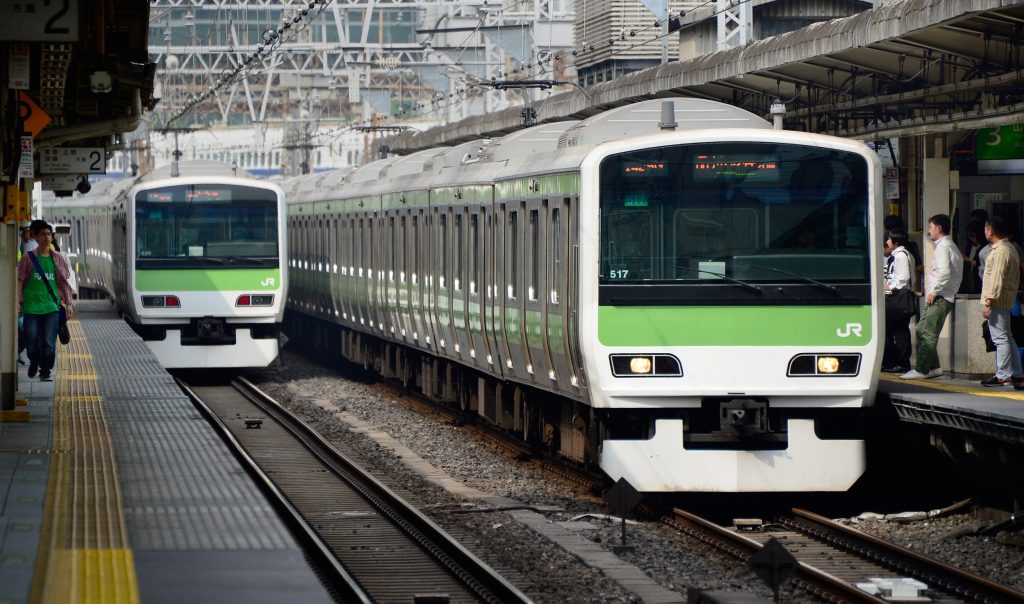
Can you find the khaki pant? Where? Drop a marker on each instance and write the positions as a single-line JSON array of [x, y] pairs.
[[928, 328]]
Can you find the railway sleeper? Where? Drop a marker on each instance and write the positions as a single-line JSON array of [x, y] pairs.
[[555, 425]]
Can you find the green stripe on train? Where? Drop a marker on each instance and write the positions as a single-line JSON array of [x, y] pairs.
[[198, 280], [734, 325]]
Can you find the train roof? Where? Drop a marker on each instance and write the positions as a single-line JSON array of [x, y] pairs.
[[198, 167], [545, 148]]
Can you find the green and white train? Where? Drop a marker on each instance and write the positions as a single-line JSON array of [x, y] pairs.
[[194, 262], [692, 305]]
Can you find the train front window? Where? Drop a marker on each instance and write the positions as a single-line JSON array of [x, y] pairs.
[[713, 213], [206, 226]]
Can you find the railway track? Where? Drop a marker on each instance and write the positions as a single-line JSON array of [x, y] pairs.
[[374, 546], [592, 481], [833, 559]]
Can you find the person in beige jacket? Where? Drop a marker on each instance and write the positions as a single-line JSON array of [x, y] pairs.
[[1000, 284]]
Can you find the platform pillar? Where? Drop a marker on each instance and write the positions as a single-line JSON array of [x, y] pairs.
[[935, 196], [8, 315]]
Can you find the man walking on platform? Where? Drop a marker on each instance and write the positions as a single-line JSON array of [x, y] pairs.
[[999, 292], [940, 286], [42, 289]]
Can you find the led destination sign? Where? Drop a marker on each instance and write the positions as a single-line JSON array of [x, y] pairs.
[[714, 167], [187, 194]]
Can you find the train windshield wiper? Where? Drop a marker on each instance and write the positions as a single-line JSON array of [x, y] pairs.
[[826, 286], [743, 284]]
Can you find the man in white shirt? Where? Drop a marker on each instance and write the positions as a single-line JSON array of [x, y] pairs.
[[940, 286]]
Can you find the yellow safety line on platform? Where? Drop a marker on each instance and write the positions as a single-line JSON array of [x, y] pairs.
[[84, 556], [1003, 392]]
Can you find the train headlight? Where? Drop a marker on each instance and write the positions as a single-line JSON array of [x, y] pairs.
[[828, 364], [824, 365], [645, 365], [640, 365]]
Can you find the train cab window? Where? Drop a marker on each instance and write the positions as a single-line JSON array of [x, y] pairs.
[[213, 226], [722, 215]]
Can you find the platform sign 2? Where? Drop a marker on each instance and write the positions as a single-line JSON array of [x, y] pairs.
[[39, 20], [73, 160]]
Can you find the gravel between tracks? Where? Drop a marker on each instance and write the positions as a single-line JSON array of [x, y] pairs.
[[544, 570]]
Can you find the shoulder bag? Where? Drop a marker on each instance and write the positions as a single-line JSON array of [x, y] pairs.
[[63, 334]]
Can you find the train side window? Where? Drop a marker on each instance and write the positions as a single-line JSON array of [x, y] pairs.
[[390, 252], [555, 254], [457, 279], [474, 259], [512, 252], [415, 260], [336, 244], [533, 288], [405, 251], [354, 235], [444, 250]]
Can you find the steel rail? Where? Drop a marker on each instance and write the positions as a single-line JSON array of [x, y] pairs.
[[462, 563], [935, 573], [812, 580], [338, 579]]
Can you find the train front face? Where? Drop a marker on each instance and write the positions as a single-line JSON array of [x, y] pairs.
[[730, 287], [208, 289]]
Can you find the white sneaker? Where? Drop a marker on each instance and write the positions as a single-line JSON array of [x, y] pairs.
[[934, 373], [914, 374]]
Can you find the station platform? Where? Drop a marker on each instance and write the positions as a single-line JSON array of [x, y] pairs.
[[963, 405], [116, 489]]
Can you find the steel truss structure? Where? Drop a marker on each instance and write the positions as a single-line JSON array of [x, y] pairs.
[[347, 60]]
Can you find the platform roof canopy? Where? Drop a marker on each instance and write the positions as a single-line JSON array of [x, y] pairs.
[[902, 68]]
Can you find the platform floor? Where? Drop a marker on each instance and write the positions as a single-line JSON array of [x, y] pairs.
[[959, 404], [116, 489]]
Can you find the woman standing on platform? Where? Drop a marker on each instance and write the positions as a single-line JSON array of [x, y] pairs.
[[42, 288], [898, 270]]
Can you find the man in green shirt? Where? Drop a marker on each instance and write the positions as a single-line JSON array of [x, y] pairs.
[[39, 299]]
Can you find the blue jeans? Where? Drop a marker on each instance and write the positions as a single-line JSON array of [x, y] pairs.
[[41, 339], [1007, 355]]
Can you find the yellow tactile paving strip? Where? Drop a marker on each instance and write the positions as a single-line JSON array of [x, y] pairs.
[[84, 556], [1008, 393]]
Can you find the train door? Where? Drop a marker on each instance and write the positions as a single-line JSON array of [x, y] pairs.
[[556, 283], [335, 265], [475, 285], [377, 282], [511, 290], [536, 298], [570, 217], [347, 269], [388, 303], [415, 262], [404, 278], [460, 285], [443, 288], [363, 270], [428, 267]]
